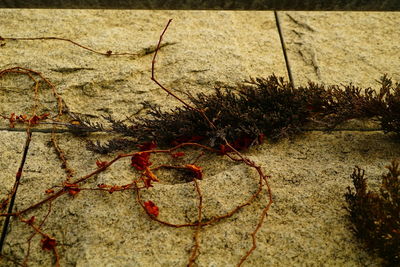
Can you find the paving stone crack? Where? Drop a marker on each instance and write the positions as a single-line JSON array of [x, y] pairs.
[[15, 189], [278, 25]]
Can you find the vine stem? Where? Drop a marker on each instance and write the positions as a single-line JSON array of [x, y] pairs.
[[241, 158], [169, 92], [196, 237], [108, 53]]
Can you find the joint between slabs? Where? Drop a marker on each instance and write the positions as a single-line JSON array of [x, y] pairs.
[[282, 40]]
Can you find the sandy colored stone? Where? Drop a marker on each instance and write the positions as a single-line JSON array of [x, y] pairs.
[[307, 220], [209, 48], [307, 224], [11, 149], [342, 47]]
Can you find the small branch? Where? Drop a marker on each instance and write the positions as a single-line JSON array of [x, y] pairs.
[[260, 223], [61, 155], [108, 53], [196, 237], [29, 73], [153, 78], [25, 262]]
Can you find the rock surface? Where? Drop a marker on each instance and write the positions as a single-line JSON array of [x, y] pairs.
[[307, 224], [342, 47]]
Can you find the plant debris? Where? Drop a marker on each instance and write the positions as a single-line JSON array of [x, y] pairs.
[[376, 216], [254, 110]]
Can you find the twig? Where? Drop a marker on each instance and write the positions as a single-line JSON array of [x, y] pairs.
[[169, 92], [25, 262], [260, 223], [61, 155], [29, 73], [108, 53], [196, 237], [241, 158]]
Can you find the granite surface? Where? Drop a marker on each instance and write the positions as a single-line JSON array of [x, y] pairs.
[[307, 225]]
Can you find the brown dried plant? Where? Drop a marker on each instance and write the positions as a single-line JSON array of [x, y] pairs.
[[376, 216]]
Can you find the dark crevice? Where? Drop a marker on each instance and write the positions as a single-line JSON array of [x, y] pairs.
[[278, 25], [14, 190], [99, 131]]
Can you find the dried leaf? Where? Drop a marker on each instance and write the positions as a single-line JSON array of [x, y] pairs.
[[151, 208], [196, 170], [140, 160], [48, 243]]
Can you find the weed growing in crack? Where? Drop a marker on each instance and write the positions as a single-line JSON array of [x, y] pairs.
[[256, 109], [376, 215]]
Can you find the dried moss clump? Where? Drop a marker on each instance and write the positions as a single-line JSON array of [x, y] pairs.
[[269, 107], [376, 216], [257, 107], [390, 114], [243, 115]]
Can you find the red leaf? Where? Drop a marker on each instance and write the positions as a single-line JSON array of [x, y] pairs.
[[151, 208], [113, 188], [73, 189], [261, 138], [21, 118], [178, 155], [147, 146], [196, 170], [49, 191], [101, 164], [151, 175], [223, 149], [48, 243], [242, 143], [31, 220], [147, 182], [66, 184], [140, 160], [35, 119], [102, 186], [12, 120]]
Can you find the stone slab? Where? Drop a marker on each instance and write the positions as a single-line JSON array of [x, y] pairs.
[[342, 47], [209, 48], [307, 224], [11, 150]]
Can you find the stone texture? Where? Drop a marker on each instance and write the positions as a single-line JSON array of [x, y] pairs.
[[307, 224], [342, 47], [11, 149], [210, 48]]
